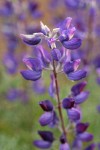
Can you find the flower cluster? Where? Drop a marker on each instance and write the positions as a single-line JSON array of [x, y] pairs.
[[61, 42]]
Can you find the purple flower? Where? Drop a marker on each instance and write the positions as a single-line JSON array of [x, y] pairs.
[[68, 103], [64, 145], [42, 144], [98, 108], [39, 87], [52, 89], [75, 4], [77, 75], [46, 135], [30, 39], [7, 9], [80, 98], [56, 54], [81, 127], [35, 69], [47, 139], [72, 44], [85, 137], [10, 63], [78, 88], [73, 114], [13, 94], [90, 147], [46, 105], [46, 118], [55, 120]]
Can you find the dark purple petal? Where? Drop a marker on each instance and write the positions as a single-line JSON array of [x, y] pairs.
[[64, 146], [68, 103], [72, 44], [77, 75], [68, 67], [46, 105], [30, 39], [46, 118], [85, 137], [31, 75], [81, 97], [90, 147], [42, 144], [46, 135], [81, 127], [63, 139], [56, 54], [73, 114], [78, 88], [33, 63]]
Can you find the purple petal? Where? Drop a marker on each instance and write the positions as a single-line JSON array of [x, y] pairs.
[[78, 88], [68, 103], [54, 121], [46, 118], [98, 108], [45, 57], [52, 89], [33, 63], [31, 75], [63, 139], [72, 44], [46, 105], [46, 135], [30, 39], [81, 127], [68, 67], [66, 24], [90, 147], [42, 144], [77, 75], [81, 97], [73, 114], [85, 137], [56, 54], [64, 146], [39, 87]]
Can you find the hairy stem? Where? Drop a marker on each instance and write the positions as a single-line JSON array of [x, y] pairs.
[[58, 99]]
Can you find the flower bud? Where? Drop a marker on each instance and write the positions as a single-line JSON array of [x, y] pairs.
[[46, 135], [81, 127], [46, 105], [46, 118], [68, 103], [73, 114]]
